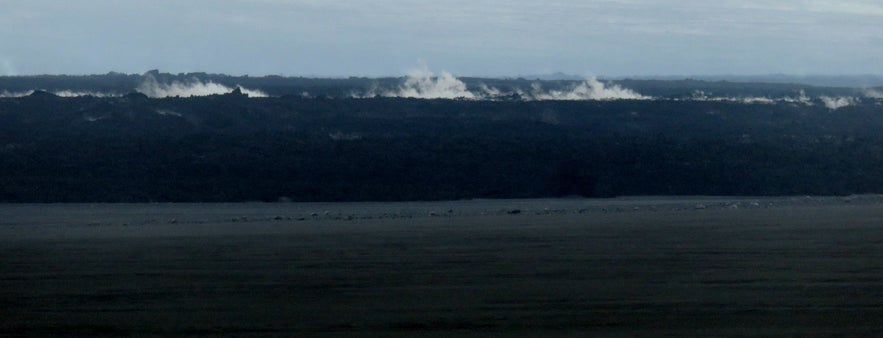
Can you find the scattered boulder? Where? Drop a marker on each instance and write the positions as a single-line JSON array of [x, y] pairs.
[[136, 96]]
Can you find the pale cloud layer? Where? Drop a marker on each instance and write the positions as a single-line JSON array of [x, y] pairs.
[[474, 37]]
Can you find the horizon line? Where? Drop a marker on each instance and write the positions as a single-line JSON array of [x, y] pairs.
[[514, 76]]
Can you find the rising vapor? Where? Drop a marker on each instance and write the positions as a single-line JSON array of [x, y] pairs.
[[7, 68], [71, 93], [873, 93], [61, 93], [801, 98], [835, 103], [153, 88], [6, 93], [423, 84], [590, 89]]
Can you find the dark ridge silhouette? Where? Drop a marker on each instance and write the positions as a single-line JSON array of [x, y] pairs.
[[41, 94]]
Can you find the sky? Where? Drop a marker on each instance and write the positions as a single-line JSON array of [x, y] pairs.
[[464, 37]]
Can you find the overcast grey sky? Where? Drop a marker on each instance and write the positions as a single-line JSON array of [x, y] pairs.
[[465, 37]]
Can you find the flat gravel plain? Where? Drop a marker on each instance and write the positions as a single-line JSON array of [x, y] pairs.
[[648, 266]]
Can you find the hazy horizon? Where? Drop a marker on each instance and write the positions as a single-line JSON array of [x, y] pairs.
[[551, 75], [610, 38]]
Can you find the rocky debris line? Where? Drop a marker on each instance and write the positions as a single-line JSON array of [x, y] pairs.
[[282, 214], [591, 207]]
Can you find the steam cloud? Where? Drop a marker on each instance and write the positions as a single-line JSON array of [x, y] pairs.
[[801, 99], [70, 93], [6, 93], [62, 93], [835, 103], [590, 89], [873, 93], [7, 68], [153, 88], [423, 84]]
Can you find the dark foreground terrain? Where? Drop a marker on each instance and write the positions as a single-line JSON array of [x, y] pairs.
[[619, 267], [234, 148]]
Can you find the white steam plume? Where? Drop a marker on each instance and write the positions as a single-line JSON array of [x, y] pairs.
[[801, 98], [757, 100], [6, 93], [152, 88], [872, 93], [167, 112], [490, 91], [835, 103], [423, 84], [62, 93], [71, 93], [7, 68], [590, 89]]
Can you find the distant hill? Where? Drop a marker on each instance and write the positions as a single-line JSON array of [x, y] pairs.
[[856, 81]]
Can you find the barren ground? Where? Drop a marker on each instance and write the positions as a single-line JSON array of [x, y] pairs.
[[619, 267]]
